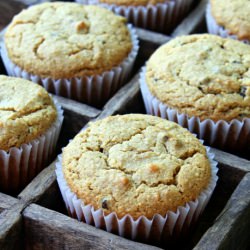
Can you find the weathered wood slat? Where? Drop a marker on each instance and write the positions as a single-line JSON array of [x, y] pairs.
[[231, 228], [231, 160], [40, 223], [6, 201], [152, 37], [11, 227], [39, 185], [190, 24], [77, 107], [30, 2]]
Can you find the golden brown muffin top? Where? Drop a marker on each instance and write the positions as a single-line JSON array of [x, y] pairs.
[[233, 15], [132, 3], [202, 75], [136, 164], [64, 40], [26, 111]]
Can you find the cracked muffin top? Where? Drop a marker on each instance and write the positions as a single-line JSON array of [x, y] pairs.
[[132, 2], [233, 15], [64, 40], [26, 111], [136, 164], [202, 75]]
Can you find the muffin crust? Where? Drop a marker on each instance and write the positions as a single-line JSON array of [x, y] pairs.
[[26, 112], [64, 40], [202, 75], [136, 164], [233, 15]]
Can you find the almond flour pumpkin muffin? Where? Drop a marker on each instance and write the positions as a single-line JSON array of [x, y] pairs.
[[229, 19], [206, 78], [157, 15], [70, 48], [135, 165], [29, 128]]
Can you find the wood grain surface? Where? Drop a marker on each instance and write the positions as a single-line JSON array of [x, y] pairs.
[[6, 201], [40, 223], [11, 227], [231, 229]]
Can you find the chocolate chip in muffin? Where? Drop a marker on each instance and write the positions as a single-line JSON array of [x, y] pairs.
[[104, 203], [243, 91]]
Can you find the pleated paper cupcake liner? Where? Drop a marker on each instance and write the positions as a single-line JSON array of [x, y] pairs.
[[20, 165], [233, 135], [162, 17], [93, 90], [159, 229], [214, 28]]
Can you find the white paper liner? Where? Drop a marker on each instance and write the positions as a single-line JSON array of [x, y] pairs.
[[158, 229], [162, 17], [214, 28], [94, 90], [21, 164], [233, 135]]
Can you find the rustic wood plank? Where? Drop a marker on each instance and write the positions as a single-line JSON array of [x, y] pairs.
[[77, 107], [40, 223], [30, 2], [39, 185], [229, 179], [11, 227], [152, 37], [231, 160], [6, 201], [190, 24], [231, 228]]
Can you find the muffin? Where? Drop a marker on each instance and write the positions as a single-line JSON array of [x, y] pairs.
[[157, 15], [202, 83], [29, 128], [229, 19], [81, 52], [136, 175]]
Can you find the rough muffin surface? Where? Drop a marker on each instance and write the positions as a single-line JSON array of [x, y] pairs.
[[233, 15], [64, 40], [202, 75], [136, 164], [133, 3], [26, 111]]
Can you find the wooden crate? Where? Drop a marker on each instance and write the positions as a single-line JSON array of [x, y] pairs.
[[37, 218]]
